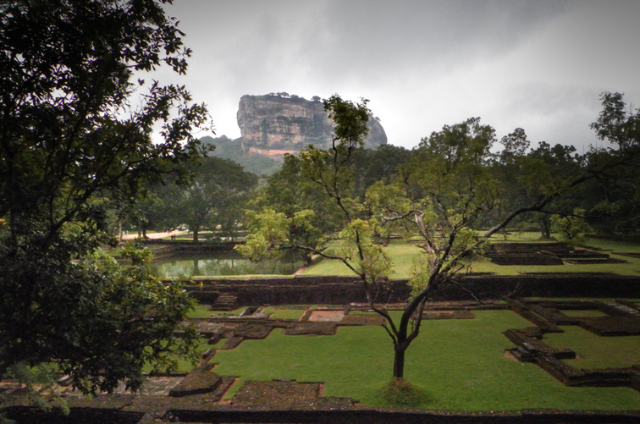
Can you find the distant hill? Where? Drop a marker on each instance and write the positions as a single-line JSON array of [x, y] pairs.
[[276, 124], [227, 148], [279, 122]]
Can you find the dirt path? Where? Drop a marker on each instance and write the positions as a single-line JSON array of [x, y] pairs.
[[153, 235]]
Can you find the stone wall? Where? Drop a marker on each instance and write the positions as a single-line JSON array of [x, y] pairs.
[[342, 290]]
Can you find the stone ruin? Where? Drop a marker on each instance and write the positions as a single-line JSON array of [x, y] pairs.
[[197, 396], [545, 254], [621, 318]]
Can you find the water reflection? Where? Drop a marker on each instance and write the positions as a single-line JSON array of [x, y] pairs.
[[226, 264]]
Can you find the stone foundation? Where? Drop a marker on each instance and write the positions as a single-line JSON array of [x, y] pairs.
[[327, 290]]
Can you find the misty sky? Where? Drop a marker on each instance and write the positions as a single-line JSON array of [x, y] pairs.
[[539, 65]]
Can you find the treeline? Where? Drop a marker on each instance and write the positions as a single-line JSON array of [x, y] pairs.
[[214, 196], [517, 173], [226, 148], [607, 204]]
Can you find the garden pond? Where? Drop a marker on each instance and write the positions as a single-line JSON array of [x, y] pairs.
[[219, 264]]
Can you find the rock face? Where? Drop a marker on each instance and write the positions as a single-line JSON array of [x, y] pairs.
[[279, 123]]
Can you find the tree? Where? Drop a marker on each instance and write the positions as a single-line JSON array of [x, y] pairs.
[[372, 165], [612, 200], [506, 166], [438, 196], [447, 190], [72, 139], [571, 227], [441, 196], [219, 185], [289, 191], [547, 169], [329, 173], [147, 211]]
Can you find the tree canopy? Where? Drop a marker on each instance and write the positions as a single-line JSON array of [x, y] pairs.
[[216, 195], [72, 135]]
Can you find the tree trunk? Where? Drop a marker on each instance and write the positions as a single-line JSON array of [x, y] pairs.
[[398, 361], [195, 235], [545, 228]]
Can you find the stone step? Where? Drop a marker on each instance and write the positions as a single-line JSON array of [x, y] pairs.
[[225, 302]]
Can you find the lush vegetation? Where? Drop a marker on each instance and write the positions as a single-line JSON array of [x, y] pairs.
[[225, 148], [74, 148]]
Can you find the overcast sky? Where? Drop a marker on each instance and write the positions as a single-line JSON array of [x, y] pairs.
[[536, 64]]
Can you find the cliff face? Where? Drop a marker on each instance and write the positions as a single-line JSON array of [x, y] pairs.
[[291, 123]]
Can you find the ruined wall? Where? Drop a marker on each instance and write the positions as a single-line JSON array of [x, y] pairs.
[[343, 290]]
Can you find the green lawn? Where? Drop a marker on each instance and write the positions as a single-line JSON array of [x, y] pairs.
[[204, 311], [458, 364], [403, 256], [632, 267], [615, 246], [280, 313], [596, 352], [200, 311]]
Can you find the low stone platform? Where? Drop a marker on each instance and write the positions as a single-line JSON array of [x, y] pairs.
[[612, 326], [284, 394], [623, 319]]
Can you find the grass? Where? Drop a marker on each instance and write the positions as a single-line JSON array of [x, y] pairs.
[[632, 267], [237, 311], [279, 313], [220, 343], [204, 311], [615, 246], [568, 299], [400, 393], [403, 256], [200, 311], [596, 352], [197, 278], [454, 364]]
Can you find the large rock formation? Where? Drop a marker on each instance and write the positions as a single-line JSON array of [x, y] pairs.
[[279, 123]]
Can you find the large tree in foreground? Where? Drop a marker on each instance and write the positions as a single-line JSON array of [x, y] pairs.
[[441, 197], [72, 133]]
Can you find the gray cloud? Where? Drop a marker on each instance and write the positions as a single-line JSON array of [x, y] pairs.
[[540, 65]]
